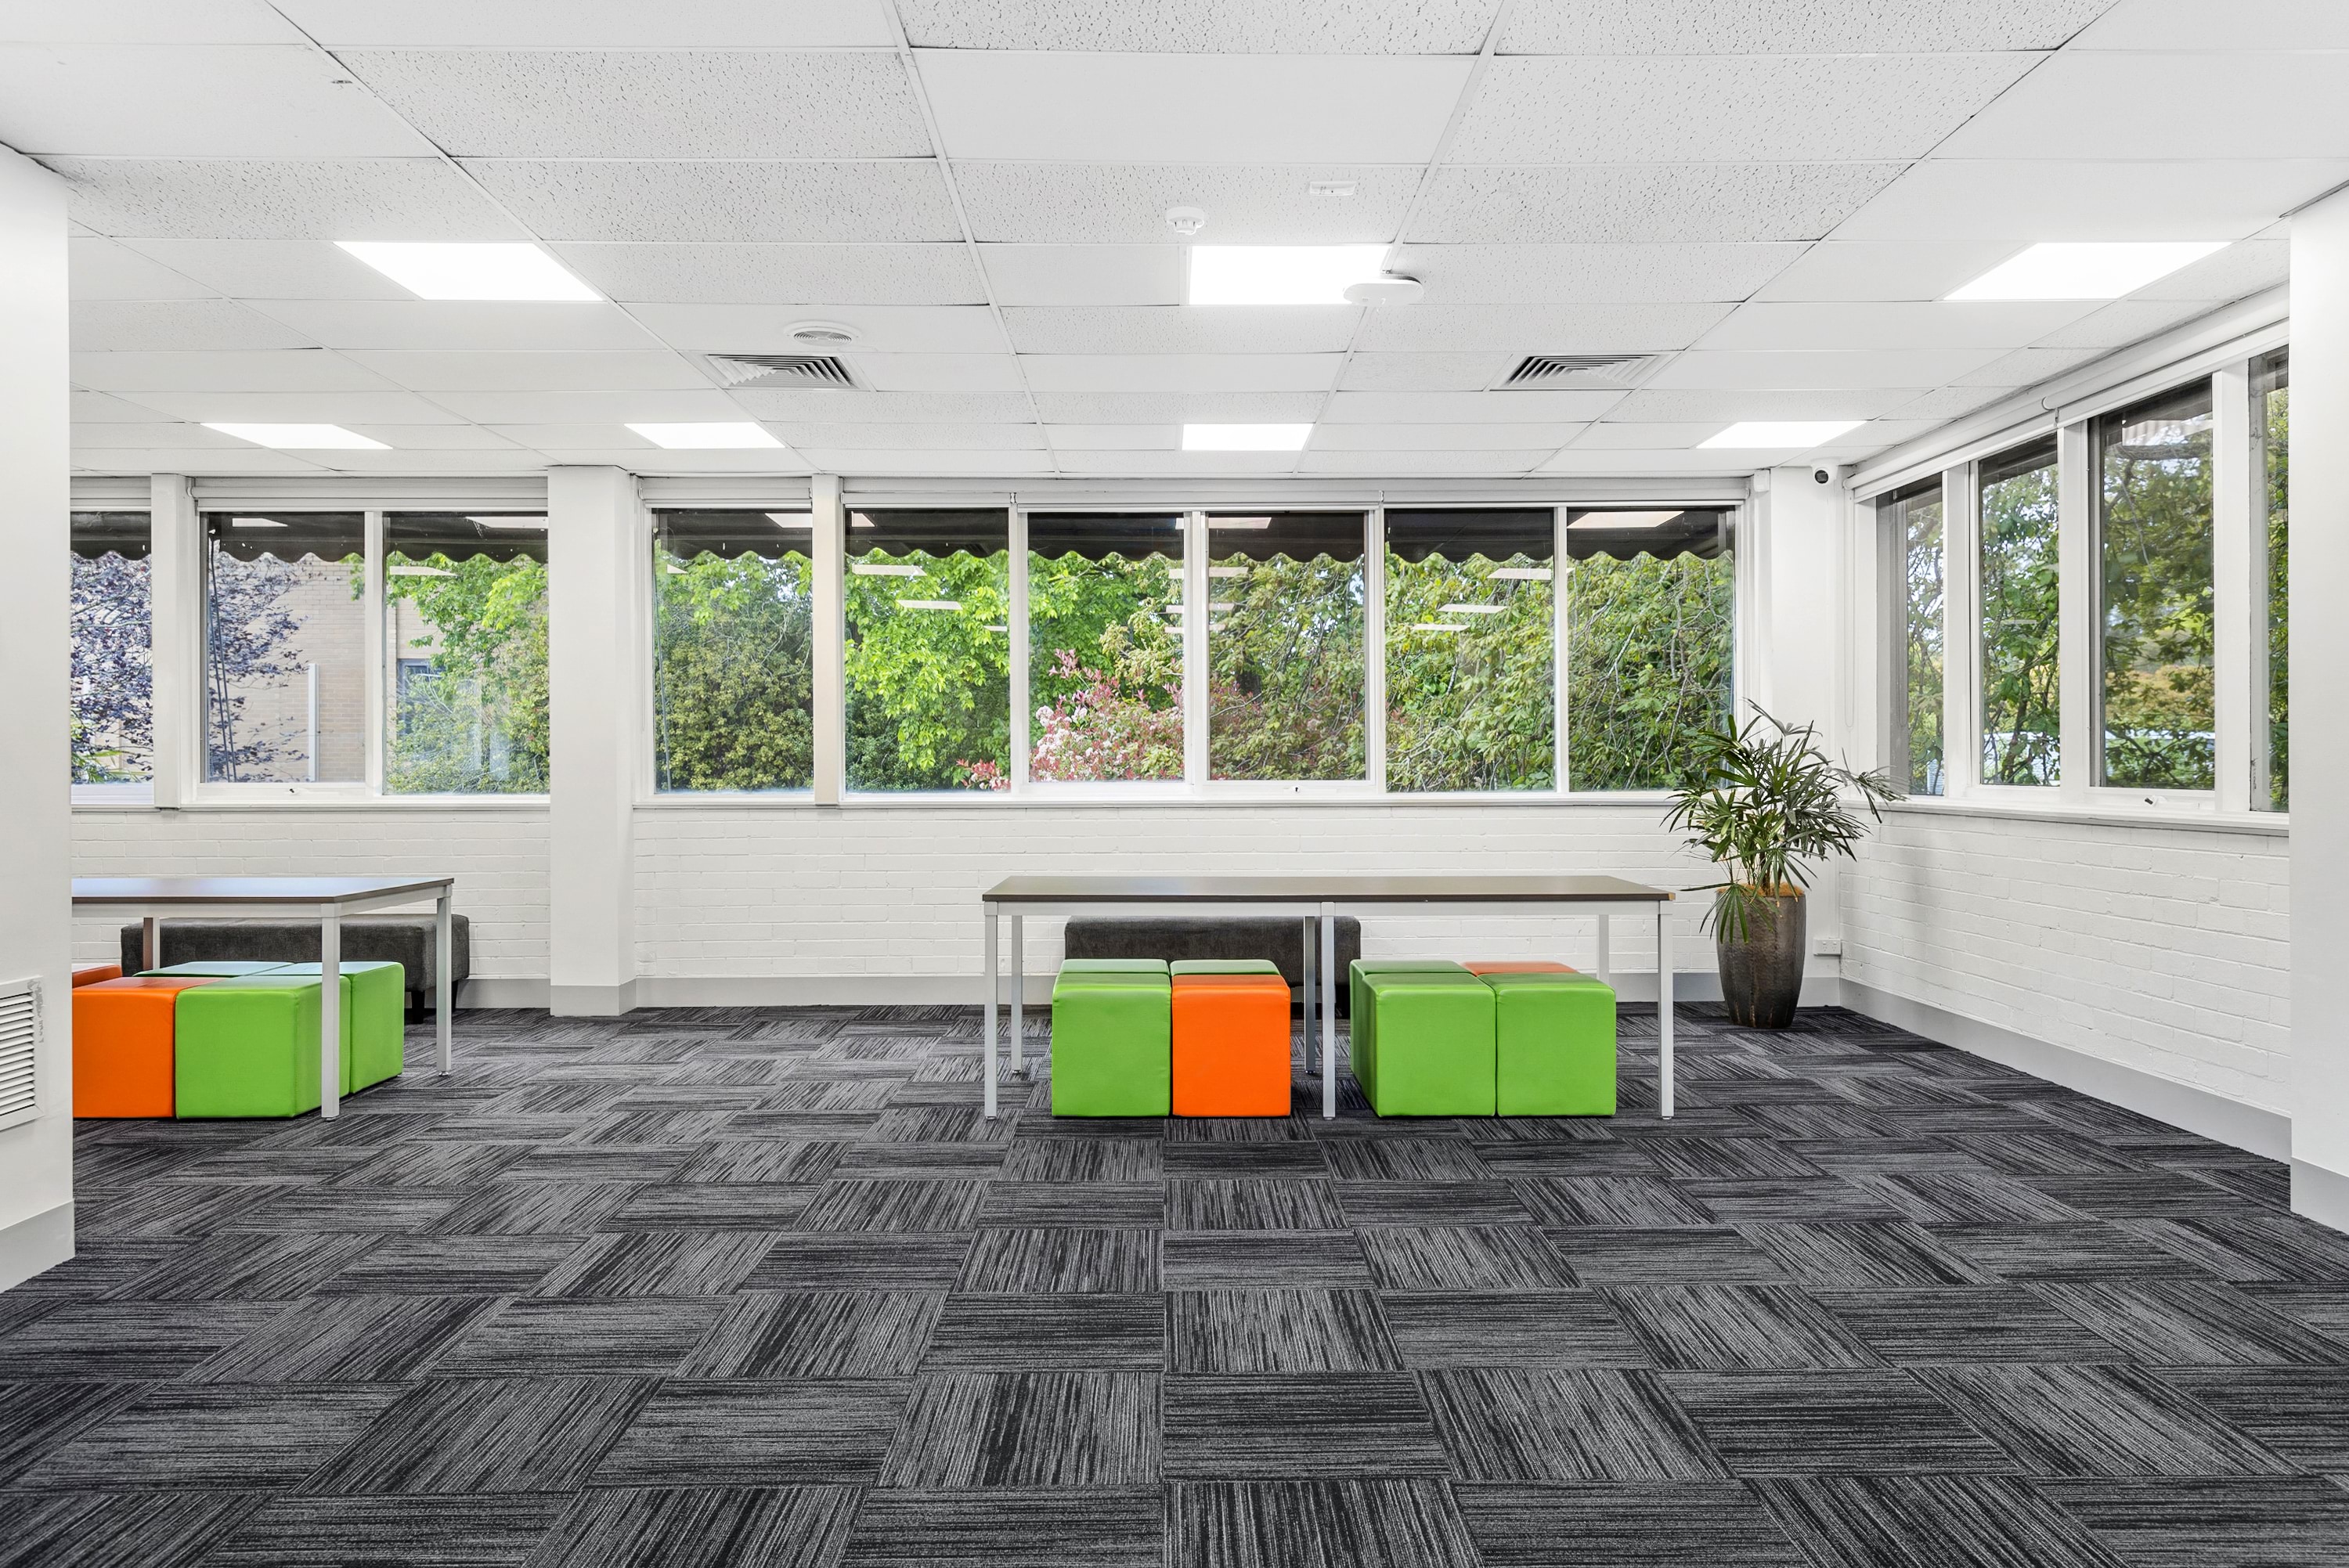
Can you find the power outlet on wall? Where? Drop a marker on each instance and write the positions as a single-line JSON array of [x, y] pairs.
[[1828, 947]]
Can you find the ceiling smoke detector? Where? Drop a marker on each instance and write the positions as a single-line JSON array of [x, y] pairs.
[[1536, 371], [1185, 221], [799, 369], [823, 335], [1333, 187]]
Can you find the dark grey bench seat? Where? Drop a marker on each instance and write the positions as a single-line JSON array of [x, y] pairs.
[[1279, 938], [406, 939]]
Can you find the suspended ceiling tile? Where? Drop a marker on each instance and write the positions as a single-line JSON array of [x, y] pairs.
[[1468, 408], [879, 328], [244, 459], [954, 464], [585, 407], [105, 270], [271, 269], [431, 460], [1978, 201], [1178, 465], [102, 407], [898, 200], [1821, 369], [1440, 437], [2192, 25], [351, 409], [1540, 329], [1628, 464], [2124, 321], [247, 199], [779, 274], [1113, 108], [1418, 464], [594, 24], [679, 103], [435, 438], [1652, 203], [1185, 329], [177, 323], [1726, 108], [840, 406], [148, 22], [1874, 437], [460, 324], [1179, 408], [1081, 276], [1950, 402], [191, 101], [1675, 406], [549, 437], [1113, 437], [1590, 274], [1424, 372], [2202, 104], [1181, 372], [655, 461], [1126, 204], [149, 437], [527, 370], [937, 372], [1615, 435], [1939, 323], [1202, 26], [1838, 270], [1790, 26], [279, 370], [1024, 437], [2245, 267]]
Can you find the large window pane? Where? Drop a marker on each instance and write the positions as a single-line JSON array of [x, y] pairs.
[[2154, 590], [113, 644], [928, 661], [1285, 673], [464, 654], [1105, 647], [1913, 521], [2022, 707], [733, 680], [2271, 424], [1650, 604], [1471, 636], [286, 655]]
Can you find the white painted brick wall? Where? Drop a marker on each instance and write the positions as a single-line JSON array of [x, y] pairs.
[[2160, 947], [499, 859]]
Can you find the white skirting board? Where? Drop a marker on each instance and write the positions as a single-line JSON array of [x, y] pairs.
[[2320, 1194], [35, 1243]]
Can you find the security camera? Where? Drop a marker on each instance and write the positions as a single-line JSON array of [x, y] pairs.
[[1185, 221], [1819, 476]]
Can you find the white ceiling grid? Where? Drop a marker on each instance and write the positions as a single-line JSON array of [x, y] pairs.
[[1771, 198]]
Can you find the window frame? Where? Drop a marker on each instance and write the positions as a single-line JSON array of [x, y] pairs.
[[139, 793]]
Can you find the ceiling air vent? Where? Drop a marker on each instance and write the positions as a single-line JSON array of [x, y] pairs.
[[1544, 370], [797, 369]]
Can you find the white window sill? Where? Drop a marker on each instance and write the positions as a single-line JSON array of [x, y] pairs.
[[269, 800], [1145, 797], [2101, 813]]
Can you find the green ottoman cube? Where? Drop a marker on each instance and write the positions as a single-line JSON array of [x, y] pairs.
[[1113, 1043], [1554, 1039], [1426, 1039], [248, 1047], [375, 1009], [213, 969], [1362, 1041], [1114, 967], [1225, 966]]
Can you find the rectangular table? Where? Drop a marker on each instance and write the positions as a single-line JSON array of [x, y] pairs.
[[1316, 901], [326, 900]]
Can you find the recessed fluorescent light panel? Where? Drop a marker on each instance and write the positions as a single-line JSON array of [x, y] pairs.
[[1281, 274], [1788, 434], [2103, 269], [706, 437], [435, 270], [1245, 438], [301, 438]]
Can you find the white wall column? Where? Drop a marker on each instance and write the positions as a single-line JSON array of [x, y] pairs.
[[35, 911], [598, 555], [2320, 729]]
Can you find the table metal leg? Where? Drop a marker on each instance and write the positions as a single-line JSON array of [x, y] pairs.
[[330, 1016], [1605, 945], [1018, 1002], [1663, 1014], [1306, 996], [992, 998], [1328, 1012], [150, 943], [444, 982]]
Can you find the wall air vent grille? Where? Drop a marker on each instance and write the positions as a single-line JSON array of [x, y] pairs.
[[20, 1051], [798, 370], [1545, 370]]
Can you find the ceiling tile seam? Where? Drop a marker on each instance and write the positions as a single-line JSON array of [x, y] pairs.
[[457, 166]]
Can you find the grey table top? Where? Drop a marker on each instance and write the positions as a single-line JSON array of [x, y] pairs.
[[249, 889], [1322, 890]]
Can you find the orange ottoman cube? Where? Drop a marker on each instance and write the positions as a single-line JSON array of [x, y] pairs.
[[1517, 967], [92, 974], [1231, 1045], [122, 1063]]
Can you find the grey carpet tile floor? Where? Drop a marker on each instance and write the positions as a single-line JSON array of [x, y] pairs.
[[761, 1285]]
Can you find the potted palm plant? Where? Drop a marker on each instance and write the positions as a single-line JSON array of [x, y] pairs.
[[1763, 800]]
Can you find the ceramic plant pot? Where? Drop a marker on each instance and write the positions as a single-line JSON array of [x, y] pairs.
[[1761, 968]]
